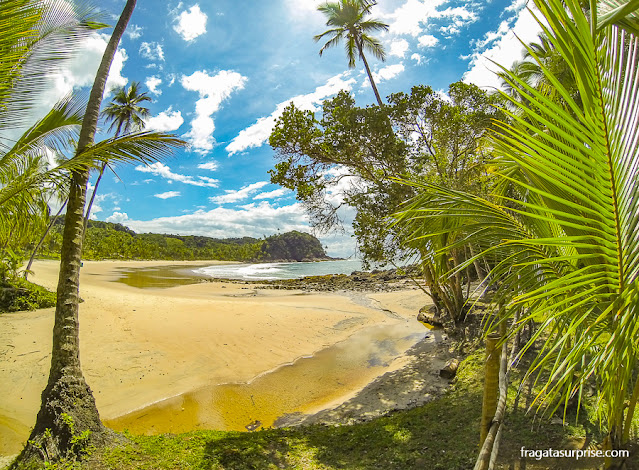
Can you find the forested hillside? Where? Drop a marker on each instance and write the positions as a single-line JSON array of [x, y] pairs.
[[105, 240]]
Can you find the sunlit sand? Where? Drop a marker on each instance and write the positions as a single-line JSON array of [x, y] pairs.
[[143, 346]]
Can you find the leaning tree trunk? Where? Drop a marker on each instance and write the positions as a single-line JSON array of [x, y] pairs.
[[95, 188], [68, 419], [370, 75], [27, 270], [95, 191]]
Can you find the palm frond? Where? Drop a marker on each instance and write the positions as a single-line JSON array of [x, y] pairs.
[[36, 36], [563, 230], [624, 14]]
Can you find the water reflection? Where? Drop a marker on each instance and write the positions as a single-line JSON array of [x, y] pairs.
[[159, 276], [307, 385]]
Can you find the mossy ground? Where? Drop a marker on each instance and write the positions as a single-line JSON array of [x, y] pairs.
[[442, 434]]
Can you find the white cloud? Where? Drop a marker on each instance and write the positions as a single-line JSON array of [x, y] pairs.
[[191, 23], [258, 133], [213, 90], [159, 169], [385, 73], [152, 51], [417, 58], [118, 217], [273, 194], [413, 16], [305, 10], [152, 84], [505, 50], [81, 69], [253, 220], [102, 200], [167, 120], [134, 31], [428, 40], [398, 48], [492, 36], [516, 6], [168, 194], [212, 165], [231, 196]]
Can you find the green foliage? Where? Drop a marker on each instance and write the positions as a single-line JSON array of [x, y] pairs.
[[18, 294], [105, 240], [360, 152], [296, 246], [357, 156], [562, 229]]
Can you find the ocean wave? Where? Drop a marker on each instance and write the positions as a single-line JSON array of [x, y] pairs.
[[275, 271]]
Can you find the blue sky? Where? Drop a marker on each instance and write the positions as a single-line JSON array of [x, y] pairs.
[[220, 72]]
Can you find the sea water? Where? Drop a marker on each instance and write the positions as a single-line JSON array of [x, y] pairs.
[[277, 271]]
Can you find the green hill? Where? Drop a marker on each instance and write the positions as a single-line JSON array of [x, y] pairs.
[[105, 240]]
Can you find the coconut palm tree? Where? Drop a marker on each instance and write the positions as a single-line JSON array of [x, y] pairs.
[[68, 419], [125, 114], [565, 244], [347, 22]]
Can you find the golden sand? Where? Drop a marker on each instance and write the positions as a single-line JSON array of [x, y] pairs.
[[142, 346]]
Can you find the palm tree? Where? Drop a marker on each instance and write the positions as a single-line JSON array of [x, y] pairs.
[[565, 243], [125, 114], [346, 19], [68, 419], [35, 36]]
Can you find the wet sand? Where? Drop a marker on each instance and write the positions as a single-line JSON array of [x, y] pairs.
[[144, 346]]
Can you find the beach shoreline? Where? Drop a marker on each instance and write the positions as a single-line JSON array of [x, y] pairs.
[[140, 346]]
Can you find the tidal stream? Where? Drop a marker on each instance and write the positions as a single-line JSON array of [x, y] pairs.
[[307, 385]]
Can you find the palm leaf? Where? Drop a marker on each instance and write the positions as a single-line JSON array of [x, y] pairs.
[[36, 36], [565, 242]]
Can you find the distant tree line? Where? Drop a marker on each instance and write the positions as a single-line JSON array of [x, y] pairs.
[[105, 240]]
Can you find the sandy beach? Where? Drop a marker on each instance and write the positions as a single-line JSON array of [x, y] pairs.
[[141, 346]]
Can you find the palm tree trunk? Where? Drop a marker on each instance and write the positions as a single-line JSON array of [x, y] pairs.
[[370, 75], [491, 386], [68, 408], [95, 190], [44, 235]]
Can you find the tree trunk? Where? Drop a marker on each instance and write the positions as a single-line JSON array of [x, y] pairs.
[[95, 190], [44, 235], [489, 446], [491, 386], [68, 419], [370, 75]]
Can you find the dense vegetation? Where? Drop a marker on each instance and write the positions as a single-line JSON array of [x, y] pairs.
[[106, 240], [23, 295]]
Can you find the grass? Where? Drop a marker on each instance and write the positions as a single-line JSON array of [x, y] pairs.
[[442, 434]]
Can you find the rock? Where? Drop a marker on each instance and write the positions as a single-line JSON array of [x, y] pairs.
[[252, 426], [449, 370], [427, 316]]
